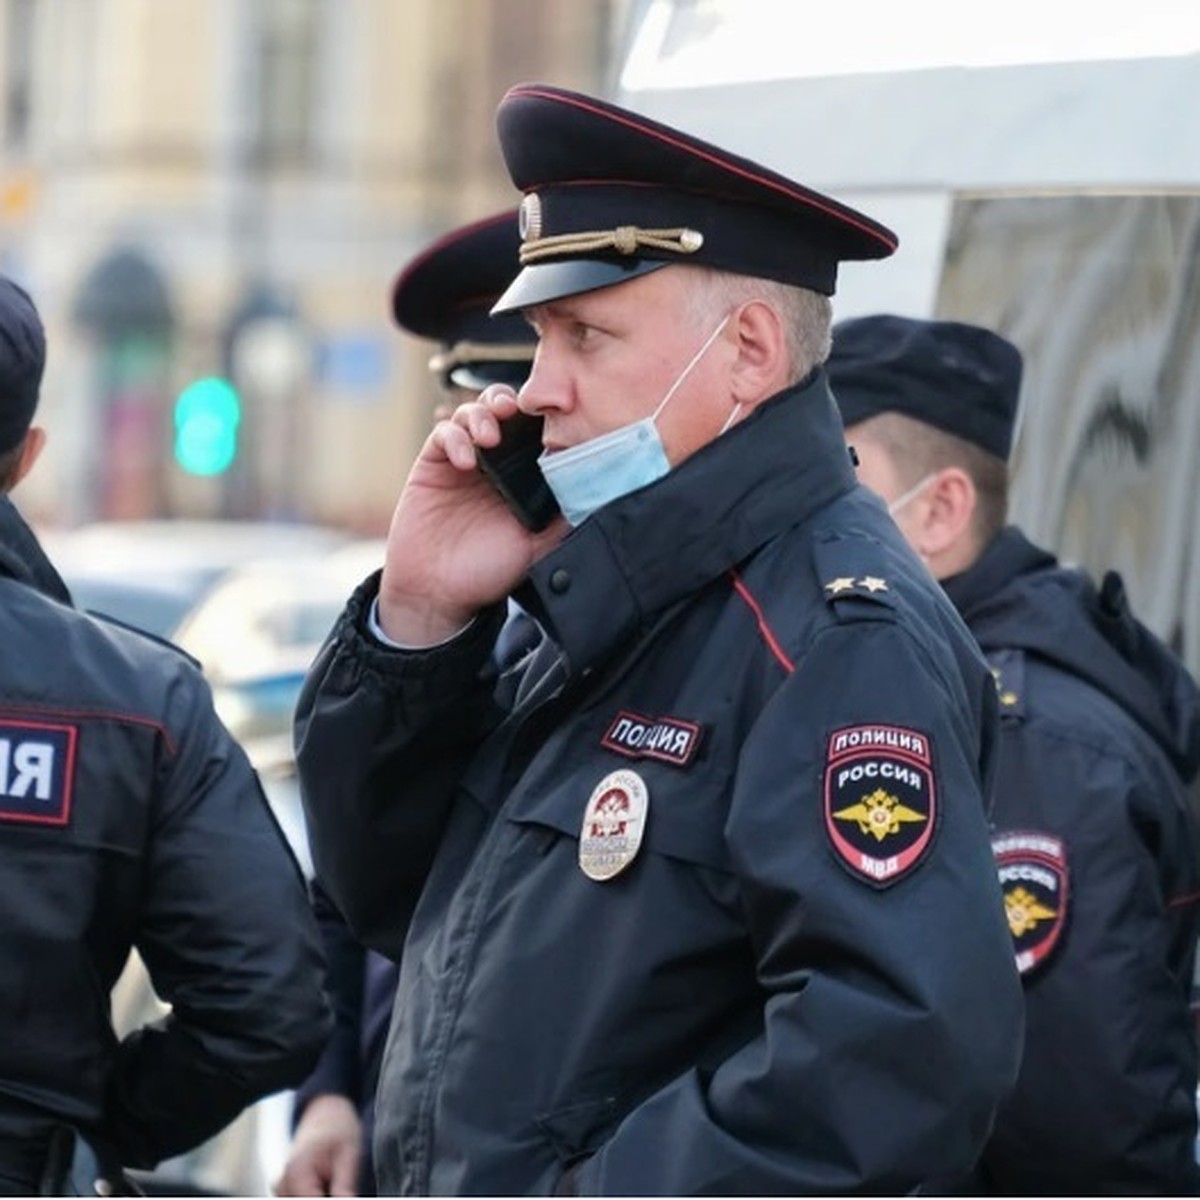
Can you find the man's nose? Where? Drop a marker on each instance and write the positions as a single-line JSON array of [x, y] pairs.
[[546, 388]]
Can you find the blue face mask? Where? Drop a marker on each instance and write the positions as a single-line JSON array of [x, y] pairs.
[[586, 477]]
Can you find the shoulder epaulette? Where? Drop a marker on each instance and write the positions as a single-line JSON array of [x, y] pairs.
[[1008, 670], [106, 619], [853, 581]]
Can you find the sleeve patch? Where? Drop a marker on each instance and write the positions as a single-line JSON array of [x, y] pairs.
[[880, 800], [1036, 884], [37, 771]]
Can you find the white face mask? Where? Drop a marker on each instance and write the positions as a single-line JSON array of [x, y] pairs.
[[901, 502], [586, 477]]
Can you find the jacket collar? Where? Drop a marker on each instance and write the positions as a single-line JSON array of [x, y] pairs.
[[646, 551], [1009, 555], [1017, 597], [22, 558]]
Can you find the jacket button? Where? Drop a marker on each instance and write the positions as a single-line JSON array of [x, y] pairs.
[[560, 581]]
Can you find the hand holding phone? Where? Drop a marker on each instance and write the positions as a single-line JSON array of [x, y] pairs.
[[512, 469]]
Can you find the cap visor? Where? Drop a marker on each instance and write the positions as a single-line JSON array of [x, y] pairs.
[[543, 282]]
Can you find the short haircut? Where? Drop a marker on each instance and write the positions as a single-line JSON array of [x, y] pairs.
[[807, 315], [917, 450]]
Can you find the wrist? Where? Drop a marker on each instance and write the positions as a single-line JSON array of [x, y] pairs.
[[418, 623]]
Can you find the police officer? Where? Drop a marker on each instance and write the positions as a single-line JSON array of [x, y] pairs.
[[445, 294], [1095, 842], [128, 818], [700, 897]]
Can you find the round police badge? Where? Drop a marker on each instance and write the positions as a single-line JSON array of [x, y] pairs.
[[1036, 886], [613, 824]]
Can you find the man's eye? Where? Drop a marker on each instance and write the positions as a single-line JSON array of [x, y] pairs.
[[582, 334]]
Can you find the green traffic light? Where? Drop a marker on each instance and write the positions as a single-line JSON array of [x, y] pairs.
[[207, 414]]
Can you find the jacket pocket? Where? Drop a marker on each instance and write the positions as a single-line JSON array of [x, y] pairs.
[[685, 811]]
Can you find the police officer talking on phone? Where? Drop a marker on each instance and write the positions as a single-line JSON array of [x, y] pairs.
[[128, 817], [700, 898]]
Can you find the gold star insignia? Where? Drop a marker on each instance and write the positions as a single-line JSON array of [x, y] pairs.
[[1008, 698], [873, 583], [842, 584]]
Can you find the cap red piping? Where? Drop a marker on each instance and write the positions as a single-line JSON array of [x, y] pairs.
[[892, 244]]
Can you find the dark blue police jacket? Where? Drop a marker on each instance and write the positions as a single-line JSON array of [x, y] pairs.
[[700, 898], [1099, 859], [130, 818]]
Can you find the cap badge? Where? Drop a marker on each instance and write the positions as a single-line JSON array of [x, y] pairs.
[[613, 824], [529, 218]]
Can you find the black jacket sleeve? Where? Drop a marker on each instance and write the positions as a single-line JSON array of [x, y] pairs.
[[339, 1069], [229, 939], [375, 808]]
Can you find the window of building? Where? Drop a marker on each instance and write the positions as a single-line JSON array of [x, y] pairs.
[[287, 51], [18, 72]]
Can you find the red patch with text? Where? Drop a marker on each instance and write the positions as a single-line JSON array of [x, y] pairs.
[[1036, 884], [666, 738], [880, 799]]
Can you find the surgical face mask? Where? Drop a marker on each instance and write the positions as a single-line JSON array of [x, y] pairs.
[[586, 477], [902, 502]]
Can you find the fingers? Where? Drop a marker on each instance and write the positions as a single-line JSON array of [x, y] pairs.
[[303, 1178], [474, 423], [344, 1179]]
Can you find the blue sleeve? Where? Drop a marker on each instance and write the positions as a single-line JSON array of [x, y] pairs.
[[893, 1013]]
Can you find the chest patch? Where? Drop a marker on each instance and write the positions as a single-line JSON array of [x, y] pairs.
[[880, 799], [1036, 883], [37, 771], [614, 823], [667, 739]]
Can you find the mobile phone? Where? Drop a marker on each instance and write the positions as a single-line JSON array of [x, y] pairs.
[[512, 469]]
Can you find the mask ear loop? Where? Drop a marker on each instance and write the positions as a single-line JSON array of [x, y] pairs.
[[734, 412], [913, 492], [708, 341]]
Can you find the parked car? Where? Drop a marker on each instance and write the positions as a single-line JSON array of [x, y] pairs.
[[153, 573]]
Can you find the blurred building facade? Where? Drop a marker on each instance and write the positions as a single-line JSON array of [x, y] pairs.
[[227, 188]]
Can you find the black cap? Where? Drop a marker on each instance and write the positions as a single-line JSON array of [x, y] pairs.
[[446, 293], [963, 379], [22, 361], [610, 195]]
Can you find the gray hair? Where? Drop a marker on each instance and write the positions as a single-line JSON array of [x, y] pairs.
[[807, 315]]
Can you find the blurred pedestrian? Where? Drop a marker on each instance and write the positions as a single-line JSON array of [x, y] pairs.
[[128, 818], [445, 294], [699, 899], [1094, 838]]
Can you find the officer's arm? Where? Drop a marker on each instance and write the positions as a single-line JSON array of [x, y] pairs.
[[230, 942], [891, 1007], [339, 1069], [382, 736], [1105, 1097]]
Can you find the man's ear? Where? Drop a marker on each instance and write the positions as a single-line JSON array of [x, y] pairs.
[[31, 449], [947, 515], [762, 365]]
